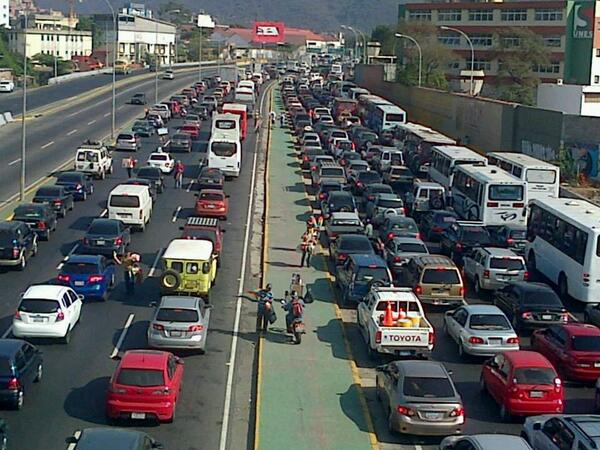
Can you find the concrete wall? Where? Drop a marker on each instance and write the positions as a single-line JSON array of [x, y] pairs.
[[560, 97]]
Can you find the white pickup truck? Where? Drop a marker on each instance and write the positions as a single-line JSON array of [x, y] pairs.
[[411, 336]]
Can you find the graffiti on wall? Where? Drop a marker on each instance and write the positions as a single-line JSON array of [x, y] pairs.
[[539, 151], [585, 157]]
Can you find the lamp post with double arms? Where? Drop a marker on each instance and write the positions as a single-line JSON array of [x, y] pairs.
[[414, 41]]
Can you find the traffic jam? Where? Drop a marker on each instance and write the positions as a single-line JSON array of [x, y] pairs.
[[103, 264], [470, 282]]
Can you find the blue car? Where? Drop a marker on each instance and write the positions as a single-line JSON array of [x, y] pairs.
[[76, 183], [92, 276], [357, 275]]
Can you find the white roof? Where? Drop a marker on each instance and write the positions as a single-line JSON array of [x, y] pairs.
[[44, 291], [234, 107], [395, 294], [580, 212], [490, 174], [522, 159], [189, 249], [128, 189], [345, 216], [459, 152]]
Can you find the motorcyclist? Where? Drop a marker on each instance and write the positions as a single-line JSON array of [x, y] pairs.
[[295, 310], [265, 304]]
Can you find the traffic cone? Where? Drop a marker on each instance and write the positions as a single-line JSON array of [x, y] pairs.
[[388, 319]]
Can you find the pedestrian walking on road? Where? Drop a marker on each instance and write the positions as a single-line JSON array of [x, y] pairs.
[[273, 118], [130, 165], [131, 269], [265, 312], [282, 120], [178, 174], [307, 246]]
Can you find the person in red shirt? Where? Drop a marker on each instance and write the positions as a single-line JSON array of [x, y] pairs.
[[179, 169]]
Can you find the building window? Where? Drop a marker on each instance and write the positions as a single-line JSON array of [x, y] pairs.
[[41, 37], [511, 41], [450, 15], [449, 40], [57, 38], [481, 15], [513, 15], [552, 41], [132, 48], [479, 64], [553, 68], [481, 40], [592, 97], [549, 14], [419, 14], [598, 53], [121, 48], [454, 65], [596, 79]]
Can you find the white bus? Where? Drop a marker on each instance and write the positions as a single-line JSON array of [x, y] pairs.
[[564, 245], [445, 158], [385, 117], [226, 122], [224, 147], [490, 195], [542, 178]]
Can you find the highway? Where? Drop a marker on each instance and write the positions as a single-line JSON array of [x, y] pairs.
[[71, 395]]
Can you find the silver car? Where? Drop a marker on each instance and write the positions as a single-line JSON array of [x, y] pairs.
[[180, 322], [485, 442], [491, 268], [480, 330], [420, 397], [128, 141]]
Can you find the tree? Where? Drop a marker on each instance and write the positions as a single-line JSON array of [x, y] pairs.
[[384, 34], [63, 67], [435, 55], [518, 51], [175, 12]]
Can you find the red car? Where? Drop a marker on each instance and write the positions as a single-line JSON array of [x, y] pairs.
[[573, 349], [146, 385], [523, 383], [192, 129], [212, 203]]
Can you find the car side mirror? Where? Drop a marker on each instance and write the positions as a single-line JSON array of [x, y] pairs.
[[223, 231], [71, 440], [383, 369], [537, 426], [209, 306], [153, 304], [180, 361], [81, 297], [157, 445]]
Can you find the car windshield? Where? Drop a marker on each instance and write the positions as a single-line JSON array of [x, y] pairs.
[[148, 172], [518, 234], [125, 137], [507, 263], [332, 172], [177, 315], [488, 322], [541, 176], [79, 268], [159, 157], [545, 297], [125, 201], [226, 149], [405, 225], [210, 196], [194, 233], [141, 377], [48, 192], [534, 375], [475, 234], [372, 274], [506, 192], [181, 137], [225, 124], [445, 218], [69, 178], [411, 247], [104, 227], [28, 212], [390, 203], [383, 189], [39, 306], [7, 238], [352, 156], [440, 276], [370, 176], [426, 387], [586, 343], [355, 245]]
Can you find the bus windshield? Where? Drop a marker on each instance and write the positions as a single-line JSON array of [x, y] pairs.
[[542, 176], [394, 117], [506, 192]]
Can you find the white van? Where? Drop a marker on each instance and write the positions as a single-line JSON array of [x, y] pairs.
[[225, 153], [131, 204], [248, 84]]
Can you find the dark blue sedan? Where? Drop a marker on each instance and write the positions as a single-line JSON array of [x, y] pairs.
[[92, 276], [76, 183]]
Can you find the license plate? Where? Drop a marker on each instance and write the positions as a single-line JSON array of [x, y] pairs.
[[123, 215], [210, 206], [175, 334], [546, 317], [139, 416], [597, 364], [494, 341], [433, 415], [100, 242], [440, 292], [79, 283], [536, 394], [37, 319]]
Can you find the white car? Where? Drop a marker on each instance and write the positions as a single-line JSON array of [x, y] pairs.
[[162, 160], [7, 86], [168, 75], [47, 311]]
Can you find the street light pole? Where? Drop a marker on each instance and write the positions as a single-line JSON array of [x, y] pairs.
[[346, 27], [463, 34], [23, 114], [114, 75], [155, 61], [414, 41], [199, 53], [365, 57]]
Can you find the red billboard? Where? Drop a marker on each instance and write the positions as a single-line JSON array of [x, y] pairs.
[[269, 32]]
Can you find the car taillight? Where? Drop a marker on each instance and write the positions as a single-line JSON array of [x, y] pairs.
[[418, 290], [158, 327], [13, 384], [41, 225], [527, 315], [512, 340], [518, 205], [557, 384], [370, 197], [164, 391], [461, 291], [510, 241], [119, 241], [458, 246], [141, 214], [58, 202], [116, 390], [397, 259], [476, 340], [313, 168], [486, 274], [86, 241], [431, 338], [564, 317], [332, 235], [17, 315], [457, 412], [492, 204], [405, 410], [418, 236], [526, 275], [359, 184], [342, 256], [305, 158], [322, 196], [195, 328], [391, 235], [16, 252], [96, 278], [437, 229], [403, 211], [62, 278], [378, 337], [60, 315]]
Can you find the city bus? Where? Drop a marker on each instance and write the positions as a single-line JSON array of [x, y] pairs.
[[445, 158], [385, 117], [242, 111], [542, 178], [488, 194], [343, 105], [564, 245], [224, 149], [416, 141], [366, 104]]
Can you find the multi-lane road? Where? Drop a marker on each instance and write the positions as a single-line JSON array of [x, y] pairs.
[[72, 393]]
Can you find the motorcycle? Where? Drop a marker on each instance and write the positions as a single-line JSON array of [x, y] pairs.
[[298, 329]]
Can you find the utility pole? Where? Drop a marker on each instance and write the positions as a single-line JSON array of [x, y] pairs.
[[24, 113]]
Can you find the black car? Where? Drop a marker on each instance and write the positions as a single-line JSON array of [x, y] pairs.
[[434, 222], [138, 98], [210, 178], [201, 110], [57, 197], [18, 243], [349, 244], [371, 191], [111, 438], [40, 217], [530, 305], [363, 138], [143, 128], [144, 182], [513, 237], [153, 174], [460, 238], [341, 201], [21, 364], [349, 155], [326, 187], [359, 180], [181, 142], [76, 183], [105, 236]]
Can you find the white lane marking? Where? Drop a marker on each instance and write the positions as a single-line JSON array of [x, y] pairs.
[[177, 211], [73, 114], [155, 263], [121, 107], [72, 132], [115, 351], [66, 258], [91, 122], [6, 333], [418, 447], [48, 144], [104, 212], [238, 307], [189, 188], [14, 162], [106, 115]]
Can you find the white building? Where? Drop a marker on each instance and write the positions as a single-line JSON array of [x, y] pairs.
[[4, 13], [569, 98], [138, 36], [60, 43]]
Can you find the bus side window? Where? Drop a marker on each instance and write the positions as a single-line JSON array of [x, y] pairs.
[[517, 172]]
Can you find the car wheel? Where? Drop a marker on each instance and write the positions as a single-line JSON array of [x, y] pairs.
[[4, 443], [20, 400], [461, 350], [62, 213], [482, 386], [22, 262], [172, 418], [67, 338], [110, 169], [39, 373], [34, 249], [112, 283], [476, 286], [504, 414], [47, 237], [563, 287], [92, 186], [84, 198], [391, 423], [102, 175]]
